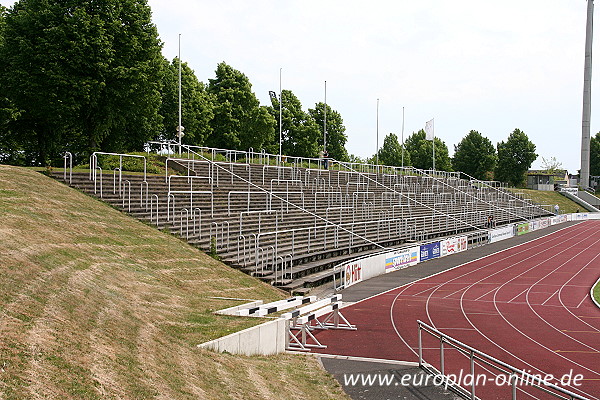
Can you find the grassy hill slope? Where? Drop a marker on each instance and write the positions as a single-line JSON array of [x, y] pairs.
[[551, 198], [94, 304]]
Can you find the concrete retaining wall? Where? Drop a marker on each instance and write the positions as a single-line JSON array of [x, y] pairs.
[[265, 339]]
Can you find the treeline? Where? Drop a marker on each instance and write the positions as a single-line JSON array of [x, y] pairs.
[[474, 155], [89, 76], [85, 76]]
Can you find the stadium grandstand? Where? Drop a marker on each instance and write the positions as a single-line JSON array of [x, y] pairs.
[[289, 221]]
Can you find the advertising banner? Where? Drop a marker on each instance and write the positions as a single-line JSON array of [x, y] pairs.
[[430, 251], [463, 243], [401, 259], [453, 245], [544, 223], [352, 273], [580, 216], [533, 225], [522, 228], [496, 235]]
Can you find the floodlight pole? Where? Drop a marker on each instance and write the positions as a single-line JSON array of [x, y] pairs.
[[377, 149], [280, 108], [325, 122], [584, 181], [402, 137]]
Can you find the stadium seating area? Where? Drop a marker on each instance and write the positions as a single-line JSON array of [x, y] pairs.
[[291, 222]]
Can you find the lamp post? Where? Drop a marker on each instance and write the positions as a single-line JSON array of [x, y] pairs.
[[180, 128], [325, 122], [377, 149]]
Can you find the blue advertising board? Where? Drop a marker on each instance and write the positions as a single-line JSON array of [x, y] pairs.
[[429, 251]]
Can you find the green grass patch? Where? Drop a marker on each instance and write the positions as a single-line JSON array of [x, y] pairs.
[[596, 292], [550, 199], [95, 304]]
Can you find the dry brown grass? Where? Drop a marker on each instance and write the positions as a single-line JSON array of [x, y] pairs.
[[94, 304]]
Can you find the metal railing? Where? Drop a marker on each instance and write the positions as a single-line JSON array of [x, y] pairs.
[[511, 376], [70, 157]]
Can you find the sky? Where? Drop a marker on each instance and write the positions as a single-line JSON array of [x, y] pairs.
[[470, 65]]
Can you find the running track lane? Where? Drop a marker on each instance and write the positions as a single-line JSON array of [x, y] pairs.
[[528, 306]]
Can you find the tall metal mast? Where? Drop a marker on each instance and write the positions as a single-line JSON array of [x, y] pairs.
[[587, 99]]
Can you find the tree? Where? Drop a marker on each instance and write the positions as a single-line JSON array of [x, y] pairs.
[[196, 104], [421, 152], [300, 132], [336, 131], [239, 122], [391, 152], [475, 155], [10, 150], [595, 155], [83, 74], [515, 157]]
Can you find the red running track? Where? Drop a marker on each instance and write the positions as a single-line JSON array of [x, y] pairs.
[[528, 306]]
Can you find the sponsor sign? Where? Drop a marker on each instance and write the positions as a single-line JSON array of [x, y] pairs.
[[453, 245], [573, 191], [430, 251], [580, 216], [522, 228], [533, 225], [496, 235], [544, 223], [401, 259], [352, 273]]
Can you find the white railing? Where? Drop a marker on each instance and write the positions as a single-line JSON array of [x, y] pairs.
[[70, 157], [511, 377]]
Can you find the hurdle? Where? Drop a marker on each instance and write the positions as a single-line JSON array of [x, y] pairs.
[[301, 322], [270, 308]]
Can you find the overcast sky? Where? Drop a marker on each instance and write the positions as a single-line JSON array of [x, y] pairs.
[[471, 65]]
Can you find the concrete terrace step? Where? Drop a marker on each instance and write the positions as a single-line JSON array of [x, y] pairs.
[[311, 266]]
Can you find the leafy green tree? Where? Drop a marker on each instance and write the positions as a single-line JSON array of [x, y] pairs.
[[196, 105], [515, 157], [421, 152], [300, 132], [595, 155], [475, 155], [391, 152], [10, 150], [239, 121], [83, 74], [336, 131]]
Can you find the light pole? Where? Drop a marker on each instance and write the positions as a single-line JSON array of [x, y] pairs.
[[180, 128], [280, 108], [325, 122], [402, 137], [377, 149]]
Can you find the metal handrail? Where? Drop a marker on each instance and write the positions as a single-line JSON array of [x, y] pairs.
[[70, 157], [514, 374], [154, 196], [94, 162], [128, 195]]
